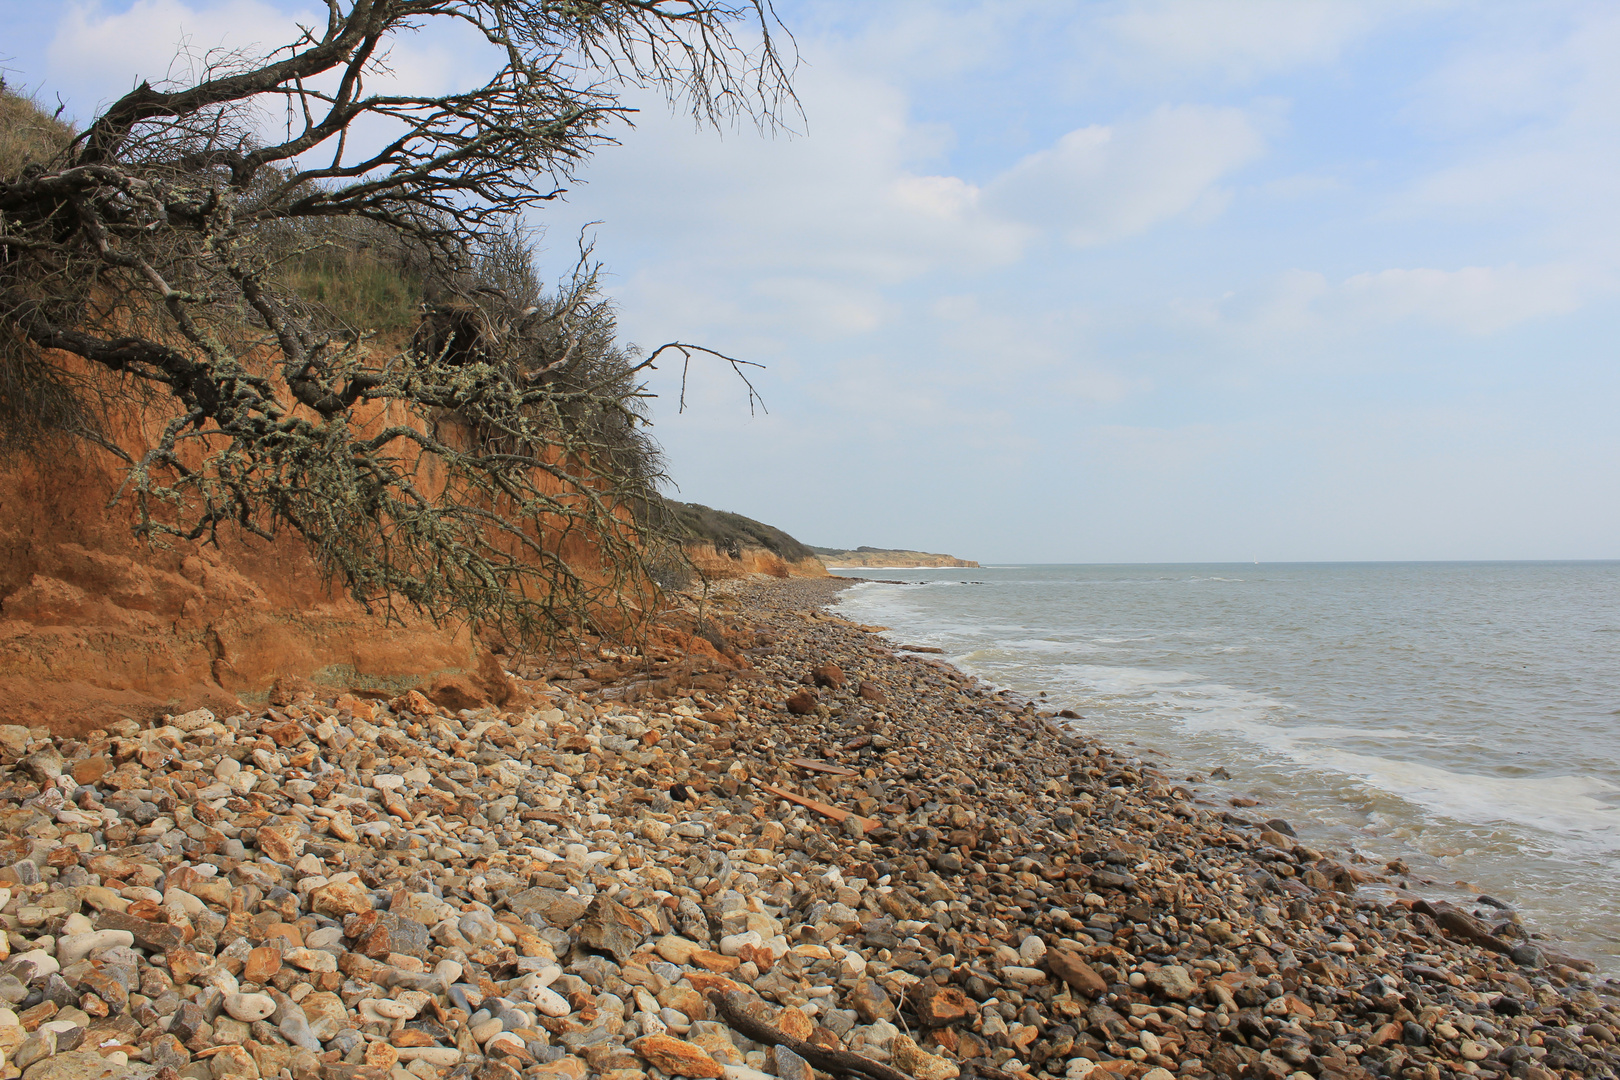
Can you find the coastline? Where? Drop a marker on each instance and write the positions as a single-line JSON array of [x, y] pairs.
[[814, 849], [1296, 900], [1377, 748]]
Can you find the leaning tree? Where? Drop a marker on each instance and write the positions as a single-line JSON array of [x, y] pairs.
[[454, 469]]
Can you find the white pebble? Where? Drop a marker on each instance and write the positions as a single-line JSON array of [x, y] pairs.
[[1028, 976], [249, 1007], [72, 948], [743, 1072], [549, 1001], [440, 1056], [393, 1010], [506, 1039], [44, 963]]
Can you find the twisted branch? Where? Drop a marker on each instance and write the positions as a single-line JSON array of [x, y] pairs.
[[461, 473]]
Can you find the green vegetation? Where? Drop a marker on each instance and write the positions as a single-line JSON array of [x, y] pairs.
[[866, 550], [361, 289]]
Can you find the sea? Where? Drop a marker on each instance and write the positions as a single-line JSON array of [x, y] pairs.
[[1463, 718]]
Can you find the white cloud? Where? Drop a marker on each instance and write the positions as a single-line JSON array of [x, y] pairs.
[[1106, 182], [818, 307], [1522, 65], [996, 346], [1183, 451], [1301, 312], [930, 40], [97, 55], [1241, 39], [1474, 299], [947, 198], [102, 54], [1529, 110], [842, 200]]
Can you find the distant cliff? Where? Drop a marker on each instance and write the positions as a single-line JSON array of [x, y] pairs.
[[720, 544], [880, 557]]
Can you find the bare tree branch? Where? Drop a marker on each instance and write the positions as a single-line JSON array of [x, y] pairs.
[[462, 472], [686, 351]]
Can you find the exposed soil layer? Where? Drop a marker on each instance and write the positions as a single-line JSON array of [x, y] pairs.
[[97, 626]]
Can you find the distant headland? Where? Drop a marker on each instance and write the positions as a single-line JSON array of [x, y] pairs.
[[891, 557]]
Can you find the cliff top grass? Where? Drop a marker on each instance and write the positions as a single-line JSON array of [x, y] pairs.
[[357, 287], [28, 134], [732, 532]]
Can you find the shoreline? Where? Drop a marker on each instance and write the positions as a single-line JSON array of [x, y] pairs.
[[815, 848], [1262, 772], [1267, 851]]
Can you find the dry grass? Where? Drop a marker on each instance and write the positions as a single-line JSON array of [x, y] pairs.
[[356, 289], [28, 134]]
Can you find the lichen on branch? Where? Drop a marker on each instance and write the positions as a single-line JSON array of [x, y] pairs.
[[494, 466]]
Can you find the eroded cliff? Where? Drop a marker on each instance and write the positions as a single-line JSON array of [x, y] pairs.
[[716, 564], [722, 545], [96, 625]]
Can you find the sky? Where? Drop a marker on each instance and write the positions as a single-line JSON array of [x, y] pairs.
[[1286, 280]]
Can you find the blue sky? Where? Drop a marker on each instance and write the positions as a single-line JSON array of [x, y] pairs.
[[1074, 282]]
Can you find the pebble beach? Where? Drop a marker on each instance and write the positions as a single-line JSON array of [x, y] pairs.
[[820, 853]]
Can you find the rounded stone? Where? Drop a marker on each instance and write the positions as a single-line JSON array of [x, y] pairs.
[[75, 948], [249, 1007]]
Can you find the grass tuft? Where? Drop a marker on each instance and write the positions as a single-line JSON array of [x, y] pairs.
[[356, 289]]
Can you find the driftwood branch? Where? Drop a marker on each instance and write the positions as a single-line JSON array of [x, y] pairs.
[[836, 813], [733, 1009]]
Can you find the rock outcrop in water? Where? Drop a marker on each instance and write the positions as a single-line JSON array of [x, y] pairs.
[[909, 874]]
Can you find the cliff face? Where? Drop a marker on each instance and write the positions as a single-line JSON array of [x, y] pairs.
[[713, 563], [721, 544], [877, 558], [95, 626]]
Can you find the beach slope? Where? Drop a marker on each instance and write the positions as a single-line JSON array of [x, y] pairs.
[[812, 852]]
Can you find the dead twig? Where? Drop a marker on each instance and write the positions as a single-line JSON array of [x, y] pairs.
[[837, 814], [822, 767], [733, 1009]]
